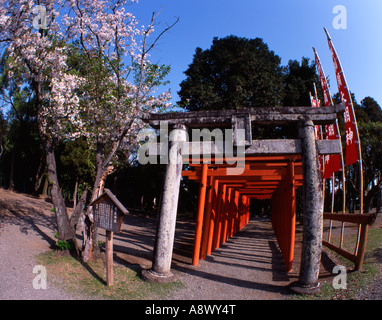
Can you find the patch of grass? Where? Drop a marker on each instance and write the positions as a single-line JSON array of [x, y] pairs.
[[356, 281], [89, 279]]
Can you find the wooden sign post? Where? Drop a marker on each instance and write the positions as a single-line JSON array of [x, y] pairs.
[[108, 215], [109, 258]]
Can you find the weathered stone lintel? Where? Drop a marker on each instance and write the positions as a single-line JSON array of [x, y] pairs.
[[274, 147], [258, 147], [266, 115]]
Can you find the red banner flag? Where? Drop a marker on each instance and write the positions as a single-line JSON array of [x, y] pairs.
[[332, 162], [352, 140]]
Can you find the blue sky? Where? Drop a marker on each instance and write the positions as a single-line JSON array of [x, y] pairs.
[[290, 28]]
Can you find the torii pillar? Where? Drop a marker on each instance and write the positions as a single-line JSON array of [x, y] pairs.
[[164, 241], [312, 214]]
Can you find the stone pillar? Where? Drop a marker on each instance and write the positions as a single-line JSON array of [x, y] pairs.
[[313, 212], [164, 242]]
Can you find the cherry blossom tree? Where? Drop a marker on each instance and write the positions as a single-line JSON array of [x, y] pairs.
[[120, 83], [39, 56], [99, 96]]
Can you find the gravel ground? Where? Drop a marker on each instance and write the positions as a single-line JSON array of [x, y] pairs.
[[241, 269], [22, 237], [16, 276], [247, 267]]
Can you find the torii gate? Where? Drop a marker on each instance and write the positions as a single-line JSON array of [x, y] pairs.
[[269, 169]]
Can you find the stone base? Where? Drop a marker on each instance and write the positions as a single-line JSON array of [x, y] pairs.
[[150, 275], [297, 287]]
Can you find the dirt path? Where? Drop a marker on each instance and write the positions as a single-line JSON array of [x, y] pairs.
[[243, 268], [26, 230], [247, 267]]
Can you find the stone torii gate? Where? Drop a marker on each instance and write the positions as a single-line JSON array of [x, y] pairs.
[[240, 121]]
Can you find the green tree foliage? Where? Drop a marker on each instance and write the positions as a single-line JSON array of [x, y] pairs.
[[370, 131], [244, 73], [234, 73], [372, 109], [298, 82], [371, 137], [76, 165], [20, 144], [23, 153]]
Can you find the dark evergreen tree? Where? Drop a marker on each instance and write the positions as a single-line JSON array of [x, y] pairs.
[[234, 73], [372, 108], [299, 80]]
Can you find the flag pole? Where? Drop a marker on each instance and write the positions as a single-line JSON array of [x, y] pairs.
[[343, 88], [329, 102], [351, 107]]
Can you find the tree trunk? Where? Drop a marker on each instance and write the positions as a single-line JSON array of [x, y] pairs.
[[77, 213], [379, 199], [90, 243], [370, 196], [90, 233], [39, 174], [65, 231], [44, 191], [75, 193]]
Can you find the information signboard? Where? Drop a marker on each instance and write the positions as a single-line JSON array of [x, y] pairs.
[[108, 212]]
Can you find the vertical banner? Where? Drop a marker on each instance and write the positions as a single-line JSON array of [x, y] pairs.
[[332, 162], [353, 151]]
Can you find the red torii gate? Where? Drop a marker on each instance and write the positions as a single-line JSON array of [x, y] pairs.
[[223, 206]]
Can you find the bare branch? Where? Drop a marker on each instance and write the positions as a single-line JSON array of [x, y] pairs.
[[162, 33]]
